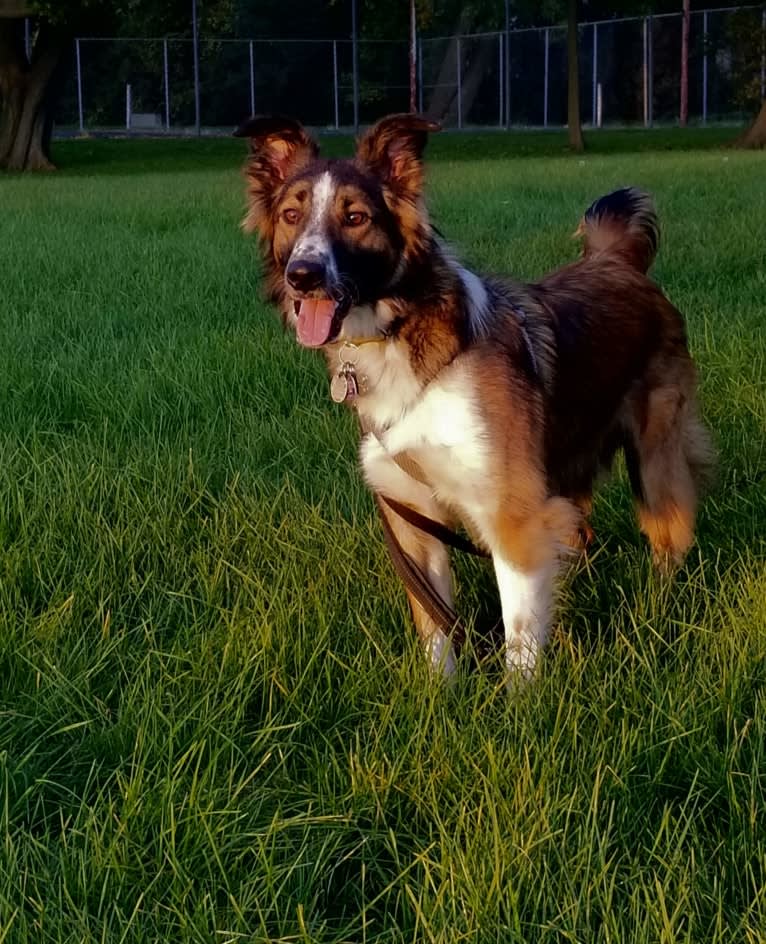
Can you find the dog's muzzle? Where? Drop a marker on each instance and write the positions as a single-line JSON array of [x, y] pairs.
[[305, 275]]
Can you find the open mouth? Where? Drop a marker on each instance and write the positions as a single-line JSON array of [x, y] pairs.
[[319, 320]]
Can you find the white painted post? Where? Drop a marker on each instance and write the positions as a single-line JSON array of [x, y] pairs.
[[704, 68], [79, 84], [166, 71], [595, 73], [252, 78], [459, 59], [599, 106], [336, 96], [545, 78], [128, 106]]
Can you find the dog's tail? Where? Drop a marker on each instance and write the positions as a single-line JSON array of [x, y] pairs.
[[623, 223]]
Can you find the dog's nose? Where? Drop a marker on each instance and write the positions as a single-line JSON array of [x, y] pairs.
[[305, 275]]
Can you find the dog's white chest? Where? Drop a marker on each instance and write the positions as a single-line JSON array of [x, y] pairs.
[[443, 432]]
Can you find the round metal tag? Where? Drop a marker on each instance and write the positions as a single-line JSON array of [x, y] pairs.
[[339, 388]]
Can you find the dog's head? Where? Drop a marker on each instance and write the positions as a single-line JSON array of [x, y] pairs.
[[336, 233]]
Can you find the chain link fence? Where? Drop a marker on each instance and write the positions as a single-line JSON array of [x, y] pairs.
[[630, 73]]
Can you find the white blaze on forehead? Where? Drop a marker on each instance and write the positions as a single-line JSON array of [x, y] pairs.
[[322, 197], [314, 241]]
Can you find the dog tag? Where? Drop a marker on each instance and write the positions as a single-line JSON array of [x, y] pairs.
[[343, 385]]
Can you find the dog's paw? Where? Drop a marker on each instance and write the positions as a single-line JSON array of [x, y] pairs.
[[520, 662], [667, 562], [441, 656]]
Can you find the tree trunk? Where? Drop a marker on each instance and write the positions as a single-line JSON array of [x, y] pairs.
[[25, 93], [444, 101], [755, 135], [683, 118], [442, 104], [576, 142]]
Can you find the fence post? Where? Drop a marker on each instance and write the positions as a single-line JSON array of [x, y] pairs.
[[420, 76], [594, 103], [252, 78], [166, 72], [704, 68], [79, 84], [413, 55], [763, 54], [195, 53], [545, 79], [648, 90], [458, 63], [128, 105], [599, 106], [500, 81], [507, 69], [336, 100], [354, 66]]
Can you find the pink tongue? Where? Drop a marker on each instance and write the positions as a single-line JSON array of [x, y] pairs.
[[315, 321]]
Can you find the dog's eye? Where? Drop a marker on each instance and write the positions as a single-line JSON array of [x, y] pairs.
[[356, 218], [291, 215]]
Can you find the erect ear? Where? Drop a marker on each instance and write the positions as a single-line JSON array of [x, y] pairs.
[[393, 149], [279, 147]]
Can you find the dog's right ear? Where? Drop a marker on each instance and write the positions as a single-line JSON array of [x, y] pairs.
[[279, 147], [393, 149]]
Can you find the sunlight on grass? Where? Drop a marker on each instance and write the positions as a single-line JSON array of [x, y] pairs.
[[215, 724]]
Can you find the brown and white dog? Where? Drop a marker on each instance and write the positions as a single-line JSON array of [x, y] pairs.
[[507, 399]]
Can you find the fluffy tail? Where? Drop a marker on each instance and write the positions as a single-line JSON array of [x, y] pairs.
[[623, 223]]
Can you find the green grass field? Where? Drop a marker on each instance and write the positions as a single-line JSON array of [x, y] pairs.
[[214, 722]]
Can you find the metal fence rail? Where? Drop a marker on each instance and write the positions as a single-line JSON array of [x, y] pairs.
[[629, 74]]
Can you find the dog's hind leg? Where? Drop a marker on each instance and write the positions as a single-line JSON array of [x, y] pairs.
[[668, 461]]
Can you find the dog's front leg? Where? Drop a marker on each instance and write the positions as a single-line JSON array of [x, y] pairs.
[[526, 551], [385, 477], [526, 598]]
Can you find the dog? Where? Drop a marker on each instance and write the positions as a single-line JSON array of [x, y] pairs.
[[482, 401]]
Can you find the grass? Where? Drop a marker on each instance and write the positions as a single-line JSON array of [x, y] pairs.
[[214, 722]]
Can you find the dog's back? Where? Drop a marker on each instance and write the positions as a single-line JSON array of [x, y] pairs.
[[623, 375]]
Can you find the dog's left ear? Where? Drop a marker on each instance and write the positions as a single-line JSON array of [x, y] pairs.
[[279, 147], [393, 149]]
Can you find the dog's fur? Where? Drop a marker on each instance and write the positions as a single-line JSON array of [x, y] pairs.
[[508, 400]]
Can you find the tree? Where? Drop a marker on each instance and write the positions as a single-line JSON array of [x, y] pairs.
[[28, 84], [573, 80], [747, 32], [684, 109], [755, 135], [26, 87]]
